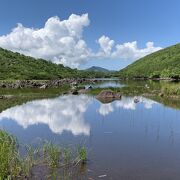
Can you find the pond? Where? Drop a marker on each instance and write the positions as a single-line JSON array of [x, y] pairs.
[[106, 84], [125, 140]]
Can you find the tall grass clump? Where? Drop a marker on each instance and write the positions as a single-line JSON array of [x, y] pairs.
[[52, 154], [82, 154], [15, 166], [67, 154], [10, 164], [171, 89]]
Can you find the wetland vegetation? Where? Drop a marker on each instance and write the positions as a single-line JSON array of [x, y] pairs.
[[15, 164], [58, 105], [65, 120]]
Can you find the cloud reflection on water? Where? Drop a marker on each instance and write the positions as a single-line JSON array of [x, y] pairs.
[[126, 103], [64, 113]]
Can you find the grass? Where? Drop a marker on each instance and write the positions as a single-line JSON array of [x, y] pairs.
[[174, 89], [168, 89], [161, 64], [9, 156], [82, 154], [20, 96], [13, 165], [67, 155], [15, 66], [53, 154]]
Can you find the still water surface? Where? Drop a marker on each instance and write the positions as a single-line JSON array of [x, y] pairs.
[[125, 140]]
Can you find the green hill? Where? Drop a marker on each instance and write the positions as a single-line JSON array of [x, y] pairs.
[[162, 64], [97, 69], [18, 66]]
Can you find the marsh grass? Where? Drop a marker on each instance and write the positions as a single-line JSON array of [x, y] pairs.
[[82, 154], [20, 96], [13, 165], [67, 155], [9, 156], [52, 154]]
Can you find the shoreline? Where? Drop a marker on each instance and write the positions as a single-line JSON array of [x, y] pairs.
[[43, 84], [154, 79]]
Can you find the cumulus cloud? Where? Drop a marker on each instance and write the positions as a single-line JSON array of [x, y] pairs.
[[129, 104], [58, 41], [62, 42], [105, 109], [131, 51], [126, 103], [59, 114], [106, 45]]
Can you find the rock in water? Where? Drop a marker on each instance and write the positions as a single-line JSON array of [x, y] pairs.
[[43, 87], [75, 92], [107, 96]]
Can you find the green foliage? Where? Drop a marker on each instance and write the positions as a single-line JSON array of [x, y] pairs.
[[15, 66], [20, 96], [82, 151], [67, 155], [162, 64], [15, 166], [9, 158], [173, 90], [97, 69], [53, 154]]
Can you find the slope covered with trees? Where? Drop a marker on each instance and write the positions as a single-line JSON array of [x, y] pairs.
[[162, 64], [98, 69], [18, 66]]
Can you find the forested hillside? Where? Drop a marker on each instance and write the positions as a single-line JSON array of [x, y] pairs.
[[162, 64]]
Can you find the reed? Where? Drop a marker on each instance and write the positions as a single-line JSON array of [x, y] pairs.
[[13, 165]]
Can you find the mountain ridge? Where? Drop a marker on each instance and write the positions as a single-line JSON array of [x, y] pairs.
[[98, 69]]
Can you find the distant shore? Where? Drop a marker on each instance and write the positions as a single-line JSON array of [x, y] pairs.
[[43, 84], [149, 78]]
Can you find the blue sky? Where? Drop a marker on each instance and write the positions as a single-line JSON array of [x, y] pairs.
[[122, 21]]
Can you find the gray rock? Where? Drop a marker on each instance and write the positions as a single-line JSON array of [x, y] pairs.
[[108, 94], [43, 87]]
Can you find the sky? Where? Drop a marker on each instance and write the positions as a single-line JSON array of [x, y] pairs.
[[85, 33]]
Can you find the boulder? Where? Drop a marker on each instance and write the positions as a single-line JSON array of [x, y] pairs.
[[43, 86], [136, 99], [75, 92], [108, 94]]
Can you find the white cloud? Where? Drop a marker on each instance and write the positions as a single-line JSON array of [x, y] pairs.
[[126, 103], [106, 45], [105, 109], [131, 51], [58, 41], [59, 114], [148, 103], [61, 41]]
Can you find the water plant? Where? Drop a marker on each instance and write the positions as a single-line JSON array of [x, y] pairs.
[[52, 153], [82, 154], [9, 156], [67, 155], [13, 165]]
